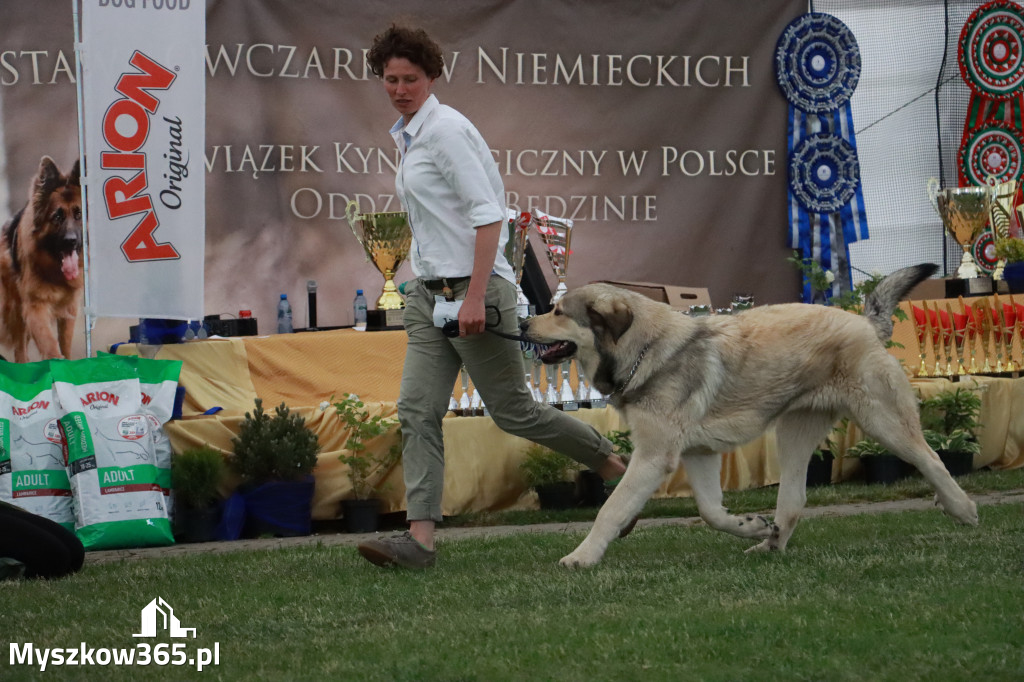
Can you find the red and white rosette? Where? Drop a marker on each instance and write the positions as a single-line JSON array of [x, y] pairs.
[[991, 58]]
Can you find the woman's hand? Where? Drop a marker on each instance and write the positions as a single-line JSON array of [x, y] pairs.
[[472, 316]]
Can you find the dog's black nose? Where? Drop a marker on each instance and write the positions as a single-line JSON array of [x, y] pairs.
[[524, 325]]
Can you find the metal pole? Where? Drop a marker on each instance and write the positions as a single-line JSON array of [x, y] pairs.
[[84, 167]]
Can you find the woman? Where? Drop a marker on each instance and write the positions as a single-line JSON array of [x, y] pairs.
[[449, 184], [36, 547]]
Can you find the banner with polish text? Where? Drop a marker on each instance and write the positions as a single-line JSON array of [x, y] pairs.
[[144, 92], [658, 128]]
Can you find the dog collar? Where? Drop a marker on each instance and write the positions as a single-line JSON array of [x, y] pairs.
[[622, 387]]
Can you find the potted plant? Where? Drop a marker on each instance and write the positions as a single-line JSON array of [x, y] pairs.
[[819, 469], [950, 422], [196, 475], [275, 457], [550, 473], [880, 465], [366, 466], [1011, 250], [956, 450]]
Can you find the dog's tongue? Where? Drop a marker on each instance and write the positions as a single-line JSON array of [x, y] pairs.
[[69, 266]]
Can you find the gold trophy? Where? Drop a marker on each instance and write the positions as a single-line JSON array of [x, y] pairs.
[[983, 318], [964, 212], [1001, 215], [921, 331], [386, 238], [959, 325], [1004, 337], [948, 339], [972, 333]]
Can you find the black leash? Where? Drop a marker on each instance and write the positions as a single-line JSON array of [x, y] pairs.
[[451, 328]]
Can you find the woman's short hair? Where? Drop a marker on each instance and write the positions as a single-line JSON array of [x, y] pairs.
[[409, 43]]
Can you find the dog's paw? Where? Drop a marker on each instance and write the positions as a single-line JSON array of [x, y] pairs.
[[964, 510], [578, 560], [766, 545]]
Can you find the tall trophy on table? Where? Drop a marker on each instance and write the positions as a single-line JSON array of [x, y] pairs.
[[386, 238], [557, 236], [515, 252], [965, 212]]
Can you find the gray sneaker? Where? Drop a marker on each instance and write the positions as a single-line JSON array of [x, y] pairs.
[[401, 549]]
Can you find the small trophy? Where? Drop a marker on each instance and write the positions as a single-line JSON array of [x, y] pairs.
[[959, 326], [983, 318], [921, 331], [386, 238], [964, 212], [515, 252], [567, 396], [973, 332]]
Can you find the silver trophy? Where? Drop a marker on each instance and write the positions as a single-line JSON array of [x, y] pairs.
[[557, 236], [515, 253]]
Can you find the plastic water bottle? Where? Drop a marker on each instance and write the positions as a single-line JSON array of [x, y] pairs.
[[284, 316], [359, 309]]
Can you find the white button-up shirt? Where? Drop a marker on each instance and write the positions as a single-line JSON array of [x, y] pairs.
[[449, 184]]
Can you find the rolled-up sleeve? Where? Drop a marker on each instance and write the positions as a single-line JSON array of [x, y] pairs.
[[459, 155]]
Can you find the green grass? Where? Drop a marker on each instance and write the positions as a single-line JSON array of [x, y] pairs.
[[902, 596], [761, 499]]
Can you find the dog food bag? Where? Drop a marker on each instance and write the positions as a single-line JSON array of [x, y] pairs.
[[158, 380], [32, 474], [109, 454]]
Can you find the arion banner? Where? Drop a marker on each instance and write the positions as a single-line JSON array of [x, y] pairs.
[[144, 91]]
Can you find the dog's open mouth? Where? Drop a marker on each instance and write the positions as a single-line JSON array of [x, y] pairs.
[[557, 352], [69, 265]]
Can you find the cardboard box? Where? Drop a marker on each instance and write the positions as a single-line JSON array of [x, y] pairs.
[[680, 298]]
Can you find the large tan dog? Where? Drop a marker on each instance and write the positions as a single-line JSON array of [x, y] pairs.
[[691, 388], [41, 265]]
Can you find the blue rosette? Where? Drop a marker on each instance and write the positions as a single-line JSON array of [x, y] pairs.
[[817, 62]]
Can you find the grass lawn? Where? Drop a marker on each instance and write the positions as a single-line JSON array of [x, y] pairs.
[[901, 596]]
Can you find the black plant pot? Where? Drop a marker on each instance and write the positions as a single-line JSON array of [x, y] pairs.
[[279, 508], [1013, 274], [361, 516], [196, 524], [957, 463], [561, 495], [819, 469], [590, 490], [886, 469]]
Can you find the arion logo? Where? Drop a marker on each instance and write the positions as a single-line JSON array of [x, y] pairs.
[[159, 614]]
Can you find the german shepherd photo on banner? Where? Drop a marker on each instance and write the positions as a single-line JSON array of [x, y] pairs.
[[41, 265]]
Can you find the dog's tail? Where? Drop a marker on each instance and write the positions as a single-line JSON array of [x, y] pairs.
[[880, 303]]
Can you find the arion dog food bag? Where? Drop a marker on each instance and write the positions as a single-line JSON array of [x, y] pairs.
[[32, 474], [109, 454], [158, 380]]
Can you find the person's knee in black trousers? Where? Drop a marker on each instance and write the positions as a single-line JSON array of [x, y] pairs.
[[44, 547]]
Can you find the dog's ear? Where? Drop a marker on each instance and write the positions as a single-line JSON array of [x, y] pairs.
[[610, 318], [75, 177], [47, 177]]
